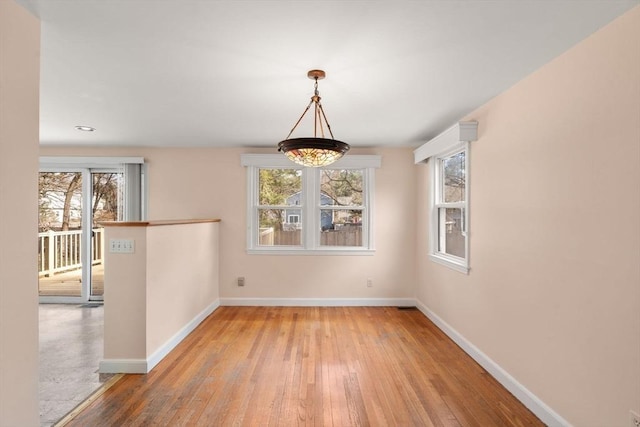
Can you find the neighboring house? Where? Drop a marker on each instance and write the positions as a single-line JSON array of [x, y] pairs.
[[292, 216]]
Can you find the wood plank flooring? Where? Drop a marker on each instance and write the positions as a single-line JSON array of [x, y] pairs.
[[323, 366]]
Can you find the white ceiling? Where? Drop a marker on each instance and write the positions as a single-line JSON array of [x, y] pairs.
[[233, 73]]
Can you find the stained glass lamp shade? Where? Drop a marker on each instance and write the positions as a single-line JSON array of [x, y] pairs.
[[314, 151]]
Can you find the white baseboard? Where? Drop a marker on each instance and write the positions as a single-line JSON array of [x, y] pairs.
[[144, 366], [528, 399], [318, 302]]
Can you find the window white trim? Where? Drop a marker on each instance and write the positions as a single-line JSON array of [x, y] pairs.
[[351, 161], [452, 261], [87, 162], [310, 209], [460, 132], [451, 141]]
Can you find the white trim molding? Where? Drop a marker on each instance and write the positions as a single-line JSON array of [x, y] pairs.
[[87, 162], [460, 132], [314, 252], [354, 161], [528, 399]]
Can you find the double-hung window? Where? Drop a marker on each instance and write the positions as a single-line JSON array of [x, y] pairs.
[[449, 214], [448, 158], [297, 210]]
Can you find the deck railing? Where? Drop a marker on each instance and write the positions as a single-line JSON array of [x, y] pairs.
[[60, 251]]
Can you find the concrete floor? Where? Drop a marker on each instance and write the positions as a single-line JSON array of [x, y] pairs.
[[71, 346]]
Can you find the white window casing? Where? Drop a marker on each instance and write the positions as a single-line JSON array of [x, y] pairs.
[[461, 132], [453, 141], [310, 205], [437, 229]]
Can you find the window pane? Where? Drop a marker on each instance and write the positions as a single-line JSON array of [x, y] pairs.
[[107, 204], [453, 178], [279, 187], [60, 245], [341, 227], [341, 187], [450, 238], [276, 230]]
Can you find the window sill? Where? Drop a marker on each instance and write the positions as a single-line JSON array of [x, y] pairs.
[[451, 263], [303, 252]]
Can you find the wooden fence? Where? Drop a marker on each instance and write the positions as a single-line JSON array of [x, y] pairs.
[[349, 235]]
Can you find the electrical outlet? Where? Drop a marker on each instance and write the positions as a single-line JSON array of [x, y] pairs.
[[634, 419], [240, 281], [369, 283]]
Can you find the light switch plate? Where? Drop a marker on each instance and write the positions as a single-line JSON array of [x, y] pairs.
[[121, 246]]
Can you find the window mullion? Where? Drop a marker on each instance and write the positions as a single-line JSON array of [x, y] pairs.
[[367, 208], [310, 211], [252, 207]]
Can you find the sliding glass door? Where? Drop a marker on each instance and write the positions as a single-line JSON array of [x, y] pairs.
[[107, 191], [72, 203], [76, 194]]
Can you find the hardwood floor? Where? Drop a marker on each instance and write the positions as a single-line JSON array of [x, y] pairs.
[[329, 366]]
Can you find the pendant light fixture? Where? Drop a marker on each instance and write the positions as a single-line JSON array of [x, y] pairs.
[[315, 151]]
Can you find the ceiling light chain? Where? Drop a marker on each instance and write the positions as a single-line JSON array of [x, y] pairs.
[[325, 120], [300, 119]]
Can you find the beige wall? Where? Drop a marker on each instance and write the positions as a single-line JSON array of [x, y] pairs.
[[553, 295], [210, 183], [182, 278], [125, 277], [157, 294], [19, 97]]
